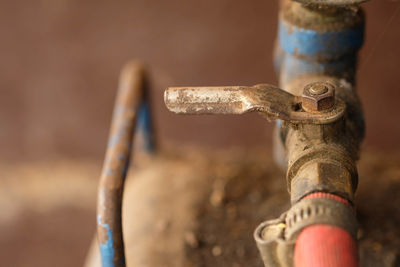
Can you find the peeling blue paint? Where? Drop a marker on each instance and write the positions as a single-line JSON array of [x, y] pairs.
[[303, 51], [313, 44], [293, 67], [116, 137], [107, 249], [144, 125]]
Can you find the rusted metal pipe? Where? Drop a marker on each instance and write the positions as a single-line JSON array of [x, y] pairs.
[[109, 220], [320, 128]]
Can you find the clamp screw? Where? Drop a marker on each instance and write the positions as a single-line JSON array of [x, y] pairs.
[[317, 97]]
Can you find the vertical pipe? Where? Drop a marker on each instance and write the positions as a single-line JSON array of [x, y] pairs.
[[316, 42], [109, 207]]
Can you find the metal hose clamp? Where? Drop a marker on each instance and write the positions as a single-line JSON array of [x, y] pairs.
[[276, 238]]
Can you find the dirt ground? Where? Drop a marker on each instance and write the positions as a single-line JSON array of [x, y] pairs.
[[255, 192], [50, 220]]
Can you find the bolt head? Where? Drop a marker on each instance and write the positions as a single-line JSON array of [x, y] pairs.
[[317, 97], [318, 89]]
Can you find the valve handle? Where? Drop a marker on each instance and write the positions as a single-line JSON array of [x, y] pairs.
[[269, 100]]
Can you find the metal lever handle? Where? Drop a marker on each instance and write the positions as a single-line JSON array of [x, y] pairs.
[[269, 100]]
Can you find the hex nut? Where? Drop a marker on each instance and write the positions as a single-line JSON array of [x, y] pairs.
[[317, 97], [322, 176]]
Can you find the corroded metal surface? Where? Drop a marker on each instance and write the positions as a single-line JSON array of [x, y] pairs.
[[276, 239], [314, 40], [324, 158], [320, 141], [109, 223], [269, 100], [319, 40], [318, 97]]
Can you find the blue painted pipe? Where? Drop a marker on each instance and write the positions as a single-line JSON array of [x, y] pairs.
[[145, 127], [315, 45], [306, 50], [131, 114], [314, 48]]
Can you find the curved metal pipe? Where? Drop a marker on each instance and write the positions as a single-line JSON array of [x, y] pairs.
[[129, 103]]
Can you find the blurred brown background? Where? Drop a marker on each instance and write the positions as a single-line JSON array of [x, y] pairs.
[[60, 61]]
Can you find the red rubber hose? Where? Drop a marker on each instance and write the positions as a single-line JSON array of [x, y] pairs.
[[325, 245]]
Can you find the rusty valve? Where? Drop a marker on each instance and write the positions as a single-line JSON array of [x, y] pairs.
[[269, 100]]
